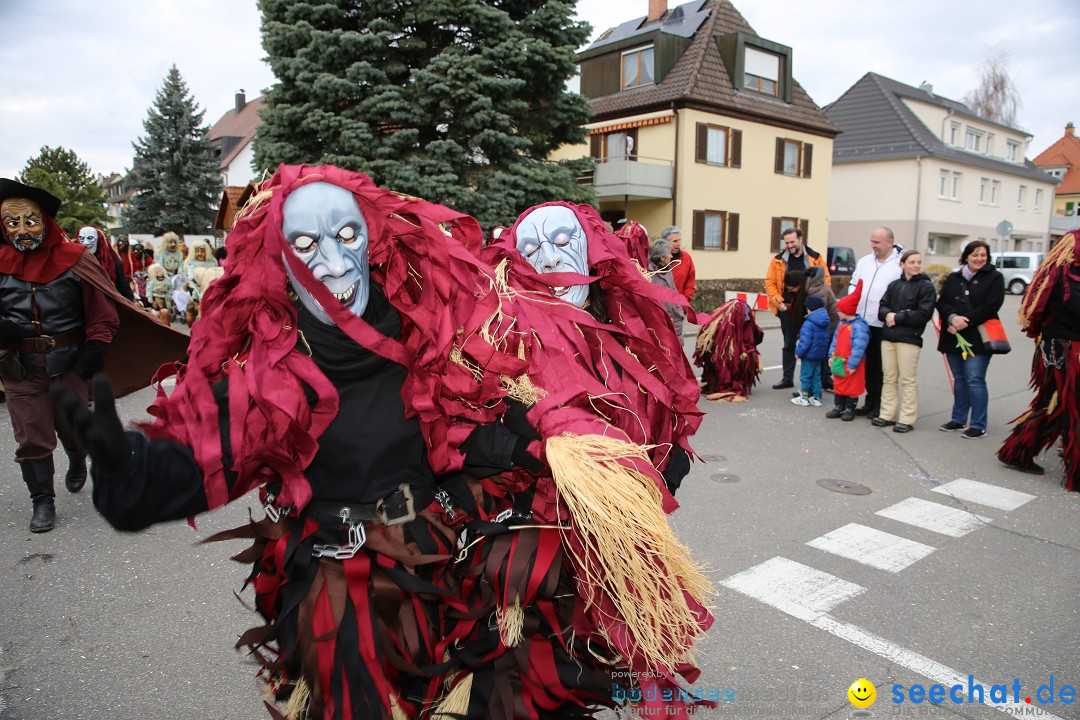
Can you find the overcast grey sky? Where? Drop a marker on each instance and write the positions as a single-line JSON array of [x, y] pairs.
[[82, 75]]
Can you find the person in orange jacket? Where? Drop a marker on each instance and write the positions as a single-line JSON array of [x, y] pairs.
[[796, 255]]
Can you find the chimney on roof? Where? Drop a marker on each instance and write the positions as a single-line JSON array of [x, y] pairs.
[[927, 88], [241, 101], [657, 8], [1070, 130]]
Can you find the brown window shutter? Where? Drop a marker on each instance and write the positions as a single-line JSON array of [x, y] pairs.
[[774, 240], [804, 225], [733, 231], [702, 142], [631, 134], [699, 230], [595, 146], [808, 157], [779, 156], [736, 148]]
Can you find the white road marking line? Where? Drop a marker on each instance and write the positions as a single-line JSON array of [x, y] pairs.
[[984, 494], [798, 590], [772, 367], [932, 516], [921, 665], [875, 548], [808, 594]]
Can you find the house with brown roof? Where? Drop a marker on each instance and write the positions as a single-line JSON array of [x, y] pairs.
[[698, 122], [232, 138], [1062, 162], [935, 172]]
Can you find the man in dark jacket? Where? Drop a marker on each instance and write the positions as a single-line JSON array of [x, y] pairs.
[[52, 325]]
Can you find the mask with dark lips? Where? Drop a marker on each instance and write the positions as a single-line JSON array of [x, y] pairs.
[[23, 223], [552, 240], [88, 236], [325, 229]]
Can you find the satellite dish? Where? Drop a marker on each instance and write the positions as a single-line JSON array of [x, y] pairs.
[[1004, 228]]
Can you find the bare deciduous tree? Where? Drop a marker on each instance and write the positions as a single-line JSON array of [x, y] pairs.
[[996, 97]]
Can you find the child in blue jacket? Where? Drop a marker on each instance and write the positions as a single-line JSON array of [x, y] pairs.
[[812, 349]]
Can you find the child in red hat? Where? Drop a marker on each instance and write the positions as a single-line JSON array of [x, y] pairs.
[[846, 354]]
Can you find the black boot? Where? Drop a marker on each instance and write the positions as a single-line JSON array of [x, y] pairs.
[[38, 476], [76, 473]]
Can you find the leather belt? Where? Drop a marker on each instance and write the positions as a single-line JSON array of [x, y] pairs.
[[397, 508], [45, 343]]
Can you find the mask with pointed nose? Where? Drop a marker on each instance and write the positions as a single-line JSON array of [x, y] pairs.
[[324, 227], [552, 240]]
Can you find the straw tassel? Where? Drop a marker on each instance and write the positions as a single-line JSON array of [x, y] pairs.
[[512, 624], [456, 702], [631, 555], [298, 702], [395, 709]]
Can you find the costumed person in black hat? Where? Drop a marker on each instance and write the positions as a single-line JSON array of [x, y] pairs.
[[58, 317], [1050, 313]]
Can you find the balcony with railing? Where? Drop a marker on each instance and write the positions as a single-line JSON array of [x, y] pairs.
[[632, 177]]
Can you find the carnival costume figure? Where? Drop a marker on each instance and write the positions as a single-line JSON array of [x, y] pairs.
[[726, 351], [169, 255], [636, 238], [353, 357], [1050, 313], [58, 319], [199, 256], [95, 240]]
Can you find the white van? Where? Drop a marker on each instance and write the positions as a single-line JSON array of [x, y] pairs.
[[1018, 267]]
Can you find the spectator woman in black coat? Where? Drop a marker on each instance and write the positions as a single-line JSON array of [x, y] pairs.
[[906, 307], [971, 295]]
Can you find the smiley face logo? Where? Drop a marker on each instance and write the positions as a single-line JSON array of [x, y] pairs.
[[862, 693]]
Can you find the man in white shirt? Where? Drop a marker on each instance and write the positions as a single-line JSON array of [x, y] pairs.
[[876, 271]]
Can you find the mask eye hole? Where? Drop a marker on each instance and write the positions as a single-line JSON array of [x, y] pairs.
[[304, 243], [561, 240], [347, 235], [529, 248]]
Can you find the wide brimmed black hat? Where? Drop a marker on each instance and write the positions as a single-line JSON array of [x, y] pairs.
[[13, 189]]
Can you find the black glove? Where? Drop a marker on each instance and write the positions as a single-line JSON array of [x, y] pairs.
[[11, 331], [92, 359], [100, 431], [490, 449], [677, 468], [514, 418]]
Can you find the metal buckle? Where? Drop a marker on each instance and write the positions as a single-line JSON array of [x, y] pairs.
[[380, 509], [274, 511], [50, 342], [447, 504], [357, 538]]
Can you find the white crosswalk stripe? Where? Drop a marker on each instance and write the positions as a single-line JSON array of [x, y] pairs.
[[984, 494], [933, 516], [794, 588], [875, 548]]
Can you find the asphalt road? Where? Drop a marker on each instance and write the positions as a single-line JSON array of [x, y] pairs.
[[98, 624]]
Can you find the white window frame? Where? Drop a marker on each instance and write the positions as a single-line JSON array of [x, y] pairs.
[[943, 184], [954, 134], [1012, 150], [1038, 199], [995, 192], [762, 83], [957, 185], [984, 185], [716, 153], [1021, 197], [973, 140]]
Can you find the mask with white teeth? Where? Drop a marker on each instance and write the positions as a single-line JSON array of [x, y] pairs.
[[88, 236], [324, 227], [552, 240]]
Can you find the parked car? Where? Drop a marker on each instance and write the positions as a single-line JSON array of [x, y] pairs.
[[841, 260], [1018, 267]]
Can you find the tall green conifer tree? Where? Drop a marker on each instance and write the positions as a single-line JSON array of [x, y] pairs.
[[457, 101], [175, 175]]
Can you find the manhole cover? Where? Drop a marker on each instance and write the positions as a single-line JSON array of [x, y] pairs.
[[724, 478], [713, 458], [842, 486]]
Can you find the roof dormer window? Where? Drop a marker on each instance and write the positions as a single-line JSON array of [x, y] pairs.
[[761, 71], [637, 67]]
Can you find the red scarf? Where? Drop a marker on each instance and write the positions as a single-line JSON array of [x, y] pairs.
[[44, 263]]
